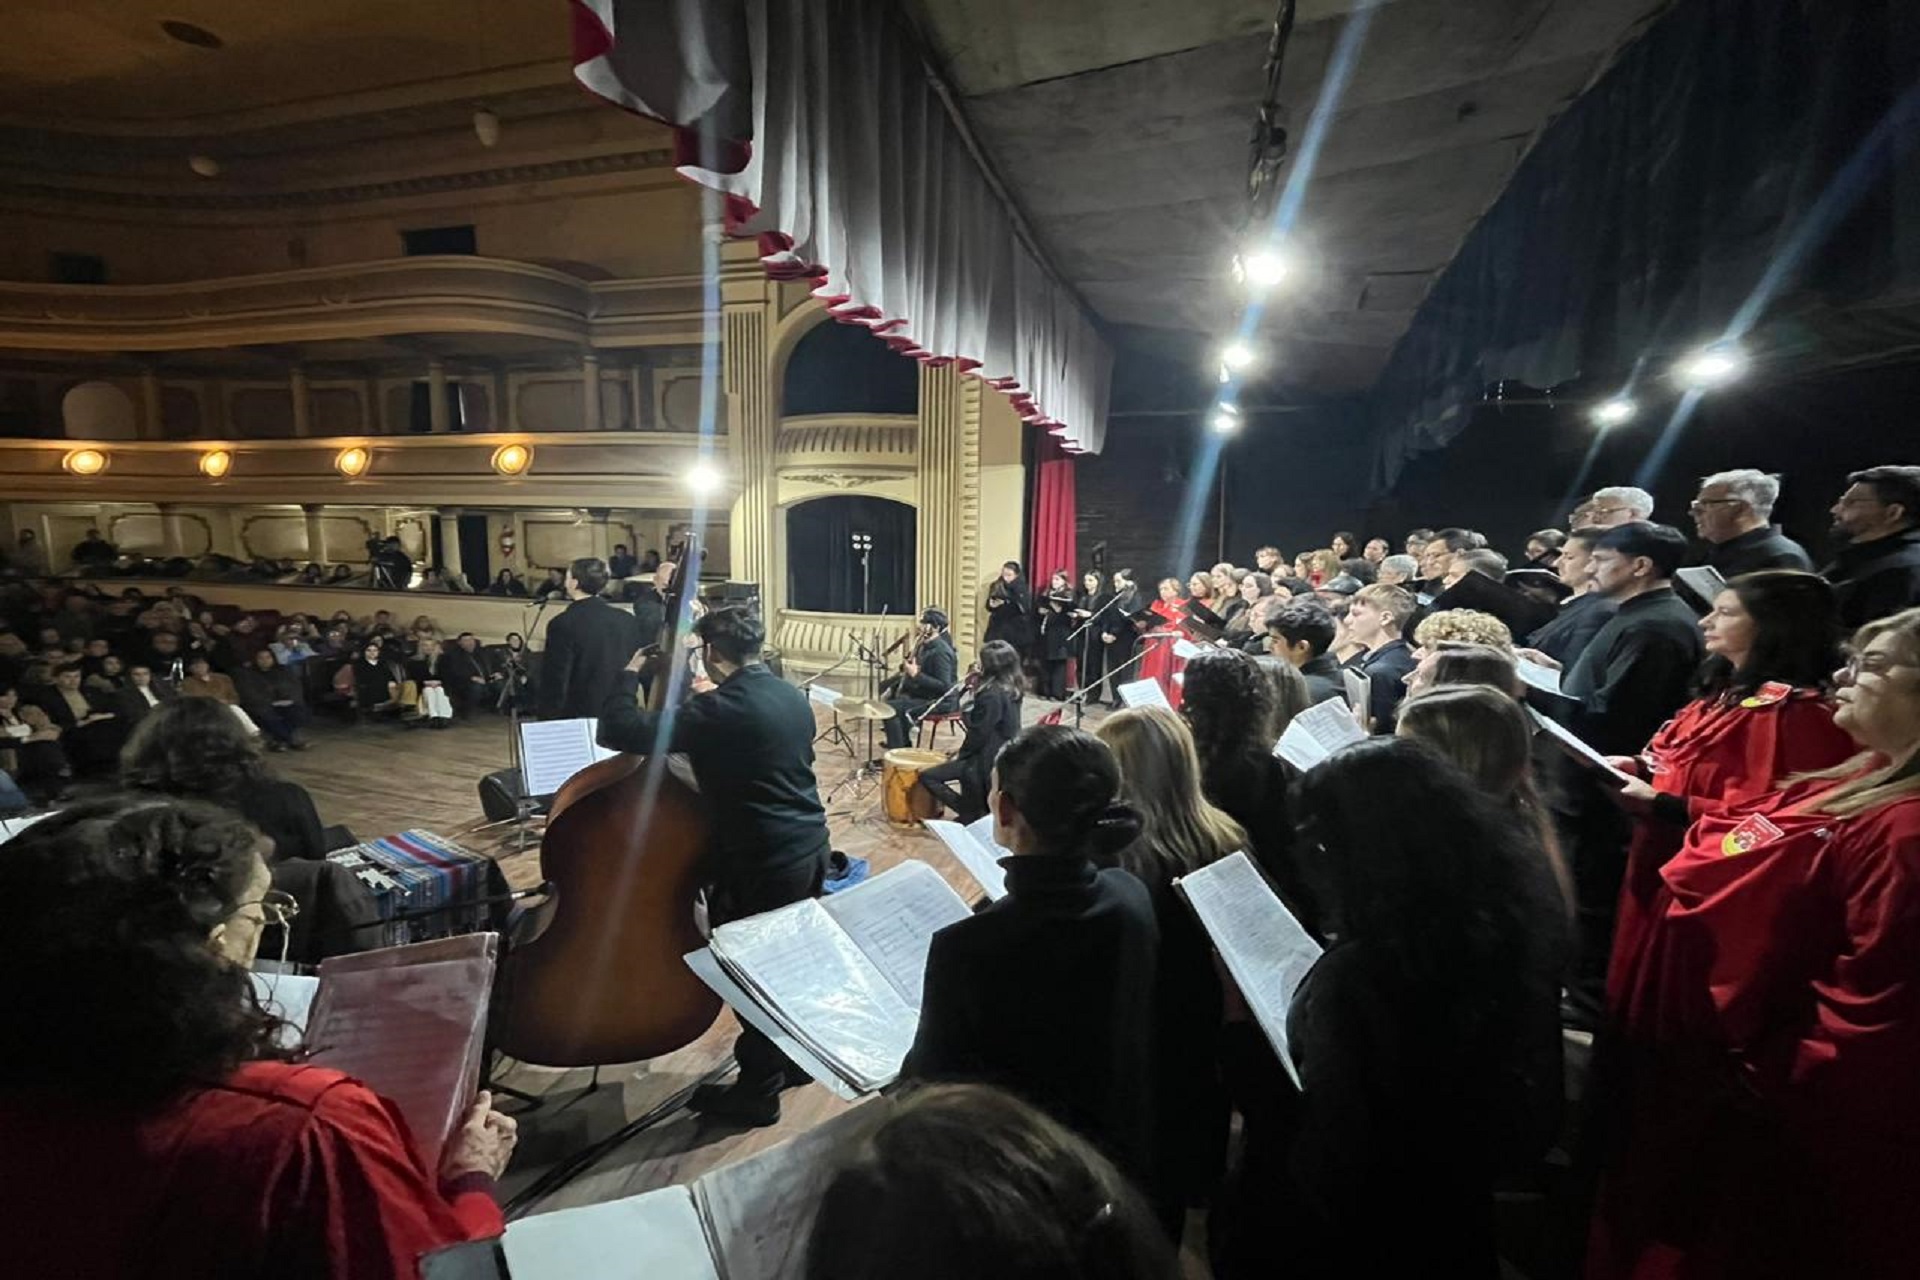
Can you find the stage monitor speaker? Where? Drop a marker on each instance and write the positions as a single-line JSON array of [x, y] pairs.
[[500, 796], [732, 593]]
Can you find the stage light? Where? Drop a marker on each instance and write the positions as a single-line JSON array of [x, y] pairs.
[[1226, 418], [1263, 268], [1712, 366], [486, 127], [204, 166], [352, 462], [215, 463], [1236, 356], [1613, 412], [703, 479], [512, 459], [85, 462]]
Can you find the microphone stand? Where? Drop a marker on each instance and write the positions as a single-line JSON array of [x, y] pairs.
[[509, 695], [1079, 699]]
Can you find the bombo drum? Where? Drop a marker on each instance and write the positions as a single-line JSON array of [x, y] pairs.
[[907, 804]]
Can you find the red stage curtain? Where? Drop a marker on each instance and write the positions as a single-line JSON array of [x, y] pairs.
[[1052, 544]]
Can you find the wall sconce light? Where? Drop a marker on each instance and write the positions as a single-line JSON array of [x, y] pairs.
[[215, 463], [512, 459], [85, 462], [352, 462]]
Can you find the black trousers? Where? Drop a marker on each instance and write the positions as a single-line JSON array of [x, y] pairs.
[[906, 711], [954, 784], [763, 1068], [1053, 678]]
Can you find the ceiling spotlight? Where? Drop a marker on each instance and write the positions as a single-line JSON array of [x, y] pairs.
[[85, 462], [1263, 268], [512, 459], [1712, 366], [215, 463], [486, 127], [205, 166], [1236, 356], [703, 479], [1613, 412], [352, 462], [1226, 419]]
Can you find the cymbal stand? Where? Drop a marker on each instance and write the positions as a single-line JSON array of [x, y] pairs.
[[869, 770], [835, 734]]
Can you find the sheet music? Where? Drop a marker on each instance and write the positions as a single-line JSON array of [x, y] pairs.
[[809, 974], [973, 846], [1265, 949], [1704, 581], [551, 751], [1359, 688], [656, 1234], [1186, 649], [758, 1211], [1144, 693], [707, 967], [411, 1032], [892, 919], [289, 997], [1539, 677], [1317, 733], [821, 694], [11, 827], [1576, 746]]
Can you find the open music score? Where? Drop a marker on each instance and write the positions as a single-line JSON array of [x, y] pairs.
[[11, 827], [1317, 733], [1144, 693], [744, 1221], [1577, 747], [838, 977], [1265, 949], [975, 848], [551, 751]]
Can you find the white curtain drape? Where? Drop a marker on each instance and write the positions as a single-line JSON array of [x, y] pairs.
[[820, 120]]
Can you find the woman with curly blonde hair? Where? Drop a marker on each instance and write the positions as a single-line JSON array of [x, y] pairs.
[[1463, 626]]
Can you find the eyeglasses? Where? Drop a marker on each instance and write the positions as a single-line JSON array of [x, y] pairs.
[[1870, 664], [1701, 504], [277, 907], [1604, 511]]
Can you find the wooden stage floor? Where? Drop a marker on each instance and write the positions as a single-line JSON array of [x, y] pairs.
[[382, 779]]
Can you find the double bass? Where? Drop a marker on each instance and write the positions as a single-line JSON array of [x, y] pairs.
[[602, 978]]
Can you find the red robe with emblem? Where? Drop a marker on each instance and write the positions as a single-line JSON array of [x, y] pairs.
[[1771, 1049], [1715, 754], [292, 1172], [1160, 663]]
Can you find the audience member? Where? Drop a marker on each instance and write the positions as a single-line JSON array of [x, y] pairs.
[[202, 681], [1731, 514], [274, 698], [141, 695], [30, 750], [90, 733]]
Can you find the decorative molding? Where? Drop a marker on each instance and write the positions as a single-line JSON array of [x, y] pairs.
[[355, 193], [870, 438], [836, 479]]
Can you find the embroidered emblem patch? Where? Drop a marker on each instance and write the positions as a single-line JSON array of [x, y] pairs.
[[1748, 836], [1767, 694]]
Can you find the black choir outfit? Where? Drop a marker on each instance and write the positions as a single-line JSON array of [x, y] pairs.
[[963, 782], [1010, 615], [750, 742], [1118, 623], [1056, 624], [1385, 666], [588, 646], [918, 696], [1763, 548], [1323, 677], [1573, 628], [1048, 993], [1876, 579], [1090, 655]]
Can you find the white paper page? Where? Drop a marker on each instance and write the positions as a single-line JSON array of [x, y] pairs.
[[1265, 949], [980, 858], [1359, 687], [1576, 746], [1144, 693], [1317, 733], [289, 997], [551, 751], [1186, 649], [1545, 679], [1703, 580], [806, 971], [593, 735], [706, 967], [656, 1234], [821, 694], [892, 919], [11, 827]]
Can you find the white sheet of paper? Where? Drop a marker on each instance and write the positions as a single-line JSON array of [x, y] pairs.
[[1544, 678], [289, 997], [821, 694], [1359, 687], [975, 851], [1265, 949], [892, 919], [1144, 693], [1186, 649], [11, 827], [1576, 746], [656, 1234], [1317, 733], [551, 751], [805, 970], [707, 967], [1703, 580]]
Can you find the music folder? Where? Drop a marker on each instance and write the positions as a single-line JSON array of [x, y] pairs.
[[974, 847], [551, 751], [1521, 612], [743, 1221], [410, 1023], [835, 981]]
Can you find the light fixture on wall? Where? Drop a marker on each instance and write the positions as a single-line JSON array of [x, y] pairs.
[[215, 463], [85, 462], [703, 479], [486, 127], [204, 165], [512, 459], [352, 461]]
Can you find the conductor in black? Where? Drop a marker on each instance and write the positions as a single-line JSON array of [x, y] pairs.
[[750, 742], [586, 646]]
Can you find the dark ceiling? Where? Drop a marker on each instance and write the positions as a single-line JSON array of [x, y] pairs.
[[1121, 128]]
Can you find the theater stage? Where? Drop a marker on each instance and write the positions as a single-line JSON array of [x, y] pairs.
[[382, 779]]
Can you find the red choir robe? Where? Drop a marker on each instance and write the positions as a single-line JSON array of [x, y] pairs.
[[287, 1171], [1159, 664], [1771, 1045], [1714, 754]]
